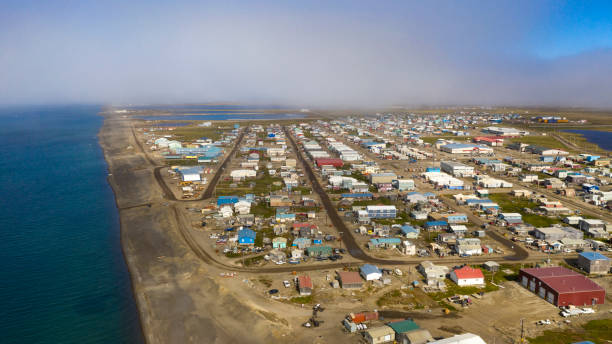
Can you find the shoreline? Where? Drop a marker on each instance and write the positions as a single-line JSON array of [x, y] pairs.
[[178, 297], [126, 258]]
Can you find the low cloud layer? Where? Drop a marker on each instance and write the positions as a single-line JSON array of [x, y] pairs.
[[320, 54]]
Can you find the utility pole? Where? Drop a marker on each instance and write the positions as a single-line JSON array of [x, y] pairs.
[[522, 331]]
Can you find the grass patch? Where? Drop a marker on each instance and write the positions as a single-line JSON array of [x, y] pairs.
[[181, 162], [192, 133], [597, 331], [306, 299], [267, 282], [511, 204], [262, 209], [252, 260], [541, 140]]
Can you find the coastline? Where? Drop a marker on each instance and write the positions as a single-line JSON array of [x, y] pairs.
[[178, 298]]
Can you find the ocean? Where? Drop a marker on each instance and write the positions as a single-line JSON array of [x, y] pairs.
[[601, 138], [63, 278]]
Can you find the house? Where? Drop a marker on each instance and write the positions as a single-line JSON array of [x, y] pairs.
[[401, 327], [436, 225], [304, 285], [242, 207], [301, 243], [561, 286], [350, 279], [433, 273], [226, 211], [279, 242], [370, 272], [459, 230], [467, 276], [408, 248], [415, 197], [409, 232], [456, 218], [491, 266], [418, 336], [246, 237], [384, 243], [319, 251], [381, 334], [594, 263], [468, 246]]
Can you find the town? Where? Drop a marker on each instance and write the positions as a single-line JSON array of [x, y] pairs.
[[397, 227]]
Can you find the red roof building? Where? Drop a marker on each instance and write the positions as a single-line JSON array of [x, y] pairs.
[[305, 285], [329, 162], [467, 276], [489, 140], [562, 287], [350, 279]]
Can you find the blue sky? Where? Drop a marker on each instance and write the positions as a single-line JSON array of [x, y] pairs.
[[342, 53]]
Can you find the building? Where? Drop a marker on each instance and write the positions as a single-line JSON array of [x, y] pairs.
[[589, 224], [465, 148], [370, 272], [329, 162], [457, 169], [557, 233], [304, 285], [246, 237], [403, 184], [467, 276], [401, 328], [494, 141], [594, 263], [434, 274], [319, 251], [562, 287], [382, 178], [491, 266], [381, 334], [468, 246], [191, 174], [279, 242], [350, 279], [466, 338], [381, 211]]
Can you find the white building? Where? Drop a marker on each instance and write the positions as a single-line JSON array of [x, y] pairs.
[[457, 169], [408, 248], [242, 174]]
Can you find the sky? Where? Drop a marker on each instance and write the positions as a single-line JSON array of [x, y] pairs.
[[307, 53]]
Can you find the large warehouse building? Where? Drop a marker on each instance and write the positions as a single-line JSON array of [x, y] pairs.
[[562, 287]]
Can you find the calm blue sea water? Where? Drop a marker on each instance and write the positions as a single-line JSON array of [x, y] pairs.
[[601, 138], [62, 274], [223, 117]]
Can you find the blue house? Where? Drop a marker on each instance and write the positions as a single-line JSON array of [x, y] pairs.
[[385, 242], [223, 200], [246, 237], [436, 225], [410, 232], [456, 218], [301, 242]]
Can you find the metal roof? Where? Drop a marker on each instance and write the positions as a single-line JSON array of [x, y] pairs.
[[594, 256]]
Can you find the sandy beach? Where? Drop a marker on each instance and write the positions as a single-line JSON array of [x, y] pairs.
[[178, 299]]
